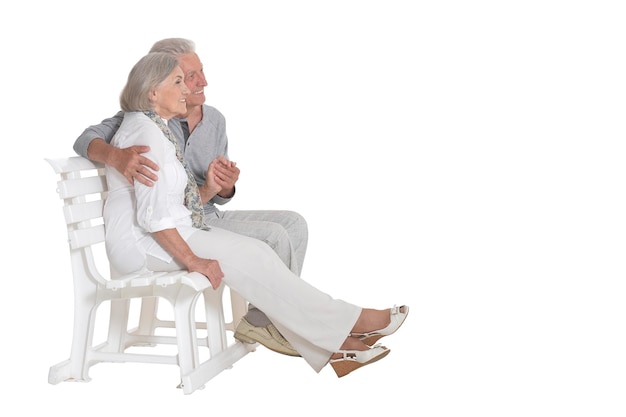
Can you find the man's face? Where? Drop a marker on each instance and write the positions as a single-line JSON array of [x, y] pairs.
[[194, 78]]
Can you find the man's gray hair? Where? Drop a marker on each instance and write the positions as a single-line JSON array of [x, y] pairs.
[[174, 46]]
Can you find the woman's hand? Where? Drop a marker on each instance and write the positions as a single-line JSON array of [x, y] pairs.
[[210, 268], [174, 244]]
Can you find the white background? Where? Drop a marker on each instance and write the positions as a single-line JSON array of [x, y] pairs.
[[465, 158]]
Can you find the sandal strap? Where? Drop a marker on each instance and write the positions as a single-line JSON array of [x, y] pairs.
[[396, 310], [351, 354]]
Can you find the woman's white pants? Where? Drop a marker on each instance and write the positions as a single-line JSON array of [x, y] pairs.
[[313, 322]]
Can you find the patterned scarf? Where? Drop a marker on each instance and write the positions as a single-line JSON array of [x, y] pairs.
[[192, 192]]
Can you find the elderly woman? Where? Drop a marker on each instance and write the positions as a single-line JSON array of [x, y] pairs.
[[161, 228]]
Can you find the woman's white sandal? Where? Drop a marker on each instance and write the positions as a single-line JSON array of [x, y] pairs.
[[396, 318], [355, 359]]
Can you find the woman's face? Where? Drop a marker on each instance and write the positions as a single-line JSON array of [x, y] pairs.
[[169, 98]]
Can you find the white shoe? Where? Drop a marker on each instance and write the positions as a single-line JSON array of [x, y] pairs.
[[355, 359]]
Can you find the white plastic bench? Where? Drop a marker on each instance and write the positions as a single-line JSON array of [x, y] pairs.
[[82, 187]]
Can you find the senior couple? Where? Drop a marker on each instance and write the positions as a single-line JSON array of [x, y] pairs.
[[167, 167]]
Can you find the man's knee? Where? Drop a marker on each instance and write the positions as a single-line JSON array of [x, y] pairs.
[[297, 222]]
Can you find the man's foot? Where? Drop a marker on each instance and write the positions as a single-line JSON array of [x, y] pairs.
[[268, 336]]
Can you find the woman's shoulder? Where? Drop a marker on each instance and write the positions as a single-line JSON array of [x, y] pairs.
[[138, 129], [137, 118]]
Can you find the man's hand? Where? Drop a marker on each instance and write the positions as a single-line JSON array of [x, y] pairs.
[[133, 165], [221, 177], [210, 188], [129, 162], [225, 174]]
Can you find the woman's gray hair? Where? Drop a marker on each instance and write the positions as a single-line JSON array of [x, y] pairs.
[[174, 46], [146, 75]]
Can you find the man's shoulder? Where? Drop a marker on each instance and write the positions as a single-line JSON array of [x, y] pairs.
[[213, 117], [212, 114]]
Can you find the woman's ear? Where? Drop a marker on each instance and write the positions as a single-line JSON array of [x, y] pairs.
[[152, 96]]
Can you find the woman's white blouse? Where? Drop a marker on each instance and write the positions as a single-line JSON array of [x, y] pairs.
[[133, 212]]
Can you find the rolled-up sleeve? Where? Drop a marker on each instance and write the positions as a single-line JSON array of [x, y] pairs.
[[105, 130], [153, 208]]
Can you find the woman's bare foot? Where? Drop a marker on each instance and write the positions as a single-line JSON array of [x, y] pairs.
[[371, 320], [377, 327]]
